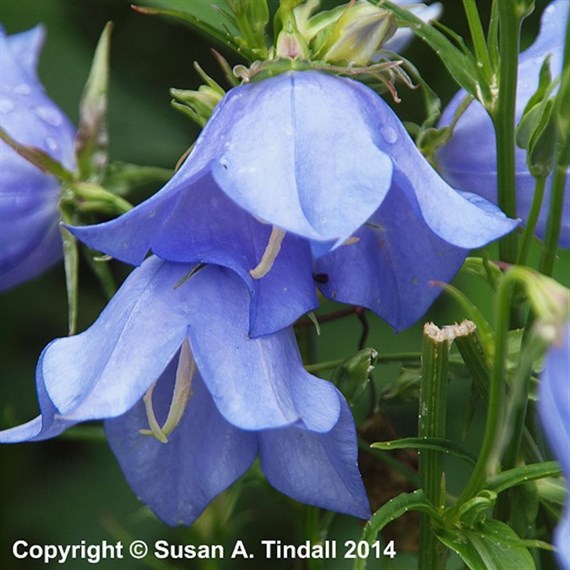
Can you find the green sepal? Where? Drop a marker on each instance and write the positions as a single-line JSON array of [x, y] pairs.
[[38, 158], [251, 19], [71, 265], [433, 443], [92, 134], [353, 375]]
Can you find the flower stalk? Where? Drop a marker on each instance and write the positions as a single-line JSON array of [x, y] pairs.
[[431, 424]]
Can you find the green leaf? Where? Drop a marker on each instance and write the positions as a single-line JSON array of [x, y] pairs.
[[389, 512], [492, 545], [523, 474], [461, 64], [92, 135], [524, 507], [353, 375], [433, 443], [205, 16]]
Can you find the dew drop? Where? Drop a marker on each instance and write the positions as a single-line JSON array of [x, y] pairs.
[[6, 105], [288, 129], [390, 135], [22, 89], [49, 115], [51, 143]]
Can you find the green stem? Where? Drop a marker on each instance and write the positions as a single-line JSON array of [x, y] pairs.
[[504, 119], [381, 359], [432, 420], [478, 37], [528, 236]]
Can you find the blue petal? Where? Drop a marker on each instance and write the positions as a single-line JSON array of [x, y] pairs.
[[201, 224], [452, 217], [562, 540], [49, 424], [103, 371], [29, 214], [204, 454], [390, 268], [289, 159], [404, 36], [554, 400], [317, 468], [206, 226], [26, 47], [256, 383], [554, 410], [469, 162]]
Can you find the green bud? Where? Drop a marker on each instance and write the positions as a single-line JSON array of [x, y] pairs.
[[356, 35]]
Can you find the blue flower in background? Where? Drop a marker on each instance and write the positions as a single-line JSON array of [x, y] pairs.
[[554, 408], [30, 239], [216, 397], [469, 162], [404, 36], [293, 168]]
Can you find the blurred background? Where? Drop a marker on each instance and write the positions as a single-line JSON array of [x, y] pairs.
[[64, 491]]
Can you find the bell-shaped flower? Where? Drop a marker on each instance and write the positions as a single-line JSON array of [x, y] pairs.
[[469, 161], [190, 401], [30, 240], [554, 409], [295, 167]]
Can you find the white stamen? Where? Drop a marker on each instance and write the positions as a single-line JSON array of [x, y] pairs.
[[270, 254], [180, 396]]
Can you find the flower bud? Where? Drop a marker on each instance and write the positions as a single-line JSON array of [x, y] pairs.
[[357, 35]]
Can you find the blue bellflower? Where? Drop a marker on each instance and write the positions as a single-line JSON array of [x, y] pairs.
[[469, 161], [170, 357], [554, 409], [306, 168], [30, 240]]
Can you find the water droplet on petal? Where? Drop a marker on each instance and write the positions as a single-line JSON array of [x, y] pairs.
[[288, 129], [390, 135], [6, 105], [50, 116], [51, 143], [22, 89]]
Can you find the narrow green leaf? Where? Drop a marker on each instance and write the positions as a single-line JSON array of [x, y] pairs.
[[523, 474], [492, 545], [433, 443], [389, 512]]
